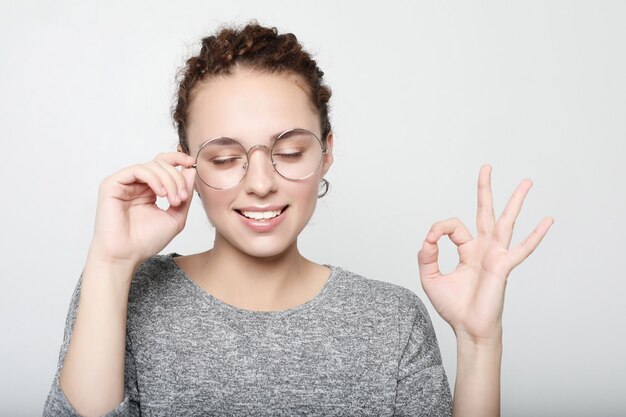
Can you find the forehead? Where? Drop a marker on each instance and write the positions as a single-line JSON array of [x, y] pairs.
[[250, 106]]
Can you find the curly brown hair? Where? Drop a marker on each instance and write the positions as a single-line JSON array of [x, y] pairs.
[[252, 47]]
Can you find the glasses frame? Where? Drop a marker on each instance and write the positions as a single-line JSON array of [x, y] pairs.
[[270, 151]]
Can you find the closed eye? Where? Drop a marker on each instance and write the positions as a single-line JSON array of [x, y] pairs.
[[288, 155], [225, 160]]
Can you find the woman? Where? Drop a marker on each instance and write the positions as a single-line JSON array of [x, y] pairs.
[[251, 327]]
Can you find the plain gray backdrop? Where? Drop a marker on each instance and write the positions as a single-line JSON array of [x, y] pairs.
[[424, 93]]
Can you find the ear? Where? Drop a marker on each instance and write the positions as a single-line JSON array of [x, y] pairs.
[[328, 157]]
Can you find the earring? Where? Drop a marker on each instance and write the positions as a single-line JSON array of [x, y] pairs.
[[324, 187]]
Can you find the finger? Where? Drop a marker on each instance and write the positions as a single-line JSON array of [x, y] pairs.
[[189, 175], [506, 222], [453, 227], [427, 257], [168, 181], [180, 212], [176, 175], [133, 180], [485, 217], [176, 158], [524, 249]]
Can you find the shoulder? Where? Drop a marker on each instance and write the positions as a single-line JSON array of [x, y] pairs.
[[155, 274], [156, 267], [377, 294], [383, 305]]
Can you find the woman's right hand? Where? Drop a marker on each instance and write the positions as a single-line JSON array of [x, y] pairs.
[[130, 227]]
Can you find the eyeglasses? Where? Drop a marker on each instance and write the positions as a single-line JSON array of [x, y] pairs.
[[223, 162]]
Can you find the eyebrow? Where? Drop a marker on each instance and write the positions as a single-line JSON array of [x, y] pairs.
[[222, 140], [225, 140]]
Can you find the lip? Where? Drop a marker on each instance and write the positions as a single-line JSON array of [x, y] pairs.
[[266, 225]]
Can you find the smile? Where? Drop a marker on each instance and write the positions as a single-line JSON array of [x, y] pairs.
[[261, 215]]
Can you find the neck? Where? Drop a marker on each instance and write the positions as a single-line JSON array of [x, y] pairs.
[[255, 283]]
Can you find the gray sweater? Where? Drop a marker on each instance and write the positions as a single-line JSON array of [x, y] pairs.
[[360, 347]]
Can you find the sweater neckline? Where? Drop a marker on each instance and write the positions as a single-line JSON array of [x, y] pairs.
[[241, 312]]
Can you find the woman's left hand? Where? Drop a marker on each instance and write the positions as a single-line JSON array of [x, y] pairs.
[[471, 298]]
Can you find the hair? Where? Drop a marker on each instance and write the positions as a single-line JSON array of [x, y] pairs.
[[252, 47]]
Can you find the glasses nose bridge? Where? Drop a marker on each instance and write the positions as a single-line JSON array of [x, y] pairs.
[[259, 146]]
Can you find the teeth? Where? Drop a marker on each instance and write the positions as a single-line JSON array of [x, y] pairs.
[[260, 215]]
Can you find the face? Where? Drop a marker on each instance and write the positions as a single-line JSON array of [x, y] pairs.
[[252, 108]]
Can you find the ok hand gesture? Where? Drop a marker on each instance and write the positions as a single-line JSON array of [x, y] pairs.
[[471, 298]]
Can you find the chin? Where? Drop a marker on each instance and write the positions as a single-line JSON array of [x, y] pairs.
[[264, 248], [270, 245]]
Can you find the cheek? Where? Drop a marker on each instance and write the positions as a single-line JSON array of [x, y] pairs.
[[306, 194], [216, 202]]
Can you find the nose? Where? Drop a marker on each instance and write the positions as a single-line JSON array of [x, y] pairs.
[[260, 176]]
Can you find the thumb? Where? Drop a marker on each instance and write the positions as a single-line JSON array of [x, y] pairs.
[[180, 212], [428, 260], [190, 178]]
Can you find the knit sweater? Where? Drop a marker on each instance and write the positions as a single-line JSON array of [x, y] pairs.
[[359, 347]]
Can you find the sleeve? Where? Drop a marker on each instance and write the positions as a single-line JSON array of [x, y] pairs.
[[422, 386], [57, 404]]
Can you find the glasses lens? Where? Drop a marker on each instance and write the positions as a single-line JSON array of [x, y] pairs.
[[222, 163], [297, 154]]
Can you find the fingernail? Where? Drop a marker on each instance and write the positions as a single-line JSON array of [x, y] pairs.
[[431, 236], [183, 194]]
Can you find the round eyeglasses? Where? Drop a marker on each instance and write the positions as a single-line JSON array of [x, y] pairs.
[[223, 162]]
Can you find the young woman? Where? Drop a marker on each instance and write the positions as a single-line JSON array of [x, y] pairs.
[[251, 327]]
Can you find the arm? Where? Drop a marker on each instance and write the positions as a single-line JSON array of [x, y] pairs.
[[61, 400], [477, 386], [92, 376], [129, 228], [471, 298]]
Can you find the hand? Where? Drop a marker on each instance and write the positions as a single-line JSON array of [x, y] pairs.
[[130, 227], [471, 298]]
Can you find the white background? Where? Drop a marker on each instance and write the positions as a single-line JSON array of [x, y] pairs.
[[424, 93]]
